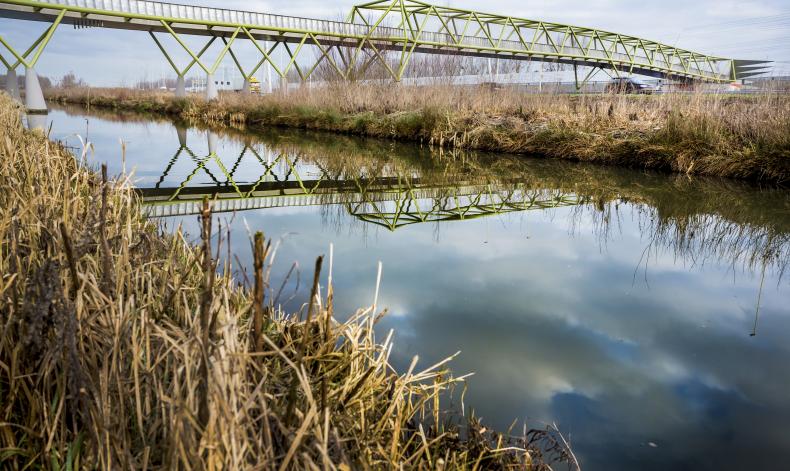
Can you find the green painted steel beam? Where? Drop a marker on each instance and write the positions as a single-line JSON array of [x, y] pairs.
[[495, 35], [46, 39], [550, 26], [38, 45], [236, 61], [186, 48], [164, 52]]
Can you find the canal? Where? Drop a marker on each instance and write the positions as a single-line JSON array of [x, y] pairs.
[[646, 315]]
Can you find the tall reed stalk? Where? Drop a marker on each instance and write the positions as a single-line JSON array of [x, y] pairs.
[[745, 137], [123, 347]]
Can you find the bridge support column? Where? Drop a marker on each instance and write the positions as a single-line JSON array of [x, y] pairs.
[[245, 89], [182, 136], [181, 87], [284, 85], [36, 121], [211, 87], [212, 143], [34, 97], [12, 85]]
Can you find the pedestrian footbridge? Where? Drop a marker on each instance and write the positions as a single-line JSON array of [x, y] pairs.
[[387, 32]]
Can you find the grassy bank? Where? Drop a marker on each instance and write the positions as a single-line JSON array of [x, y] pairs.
[[125, 348], [736, 137], [732, 222], [710, 218]]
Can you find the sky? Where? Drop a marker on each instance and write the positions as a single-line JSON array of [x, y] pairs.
[[559, 318], [756, 29]]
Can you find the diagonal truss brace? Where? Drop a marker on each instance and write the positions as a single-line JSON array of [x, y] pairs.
[[38, 46], [196, 58], [182, 72]]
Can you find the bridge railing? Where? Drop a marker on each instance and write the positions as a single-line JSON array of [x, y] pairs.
[[215, 15], [549, 49], [265, 20]]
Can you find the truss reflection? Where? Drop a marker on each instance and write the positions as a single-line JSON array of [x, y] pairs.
[[384, 197]]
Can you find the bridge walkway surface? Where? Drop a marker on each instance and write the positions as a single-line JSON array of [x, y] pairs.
[[388, 32]]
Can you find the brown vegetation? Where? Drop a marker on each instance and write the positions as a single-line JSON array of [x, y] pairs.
[[124, 348], [702, 218], [745, 137]]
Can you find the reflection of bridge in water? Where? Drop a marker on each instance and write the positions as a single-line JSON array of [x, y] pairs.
[[390, 200]]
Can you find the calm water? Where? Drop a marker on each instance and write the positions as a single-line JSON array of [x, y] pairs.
[[620, 305]]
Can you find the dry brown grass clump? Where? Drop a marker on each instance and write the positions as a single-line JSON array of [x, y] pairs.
[[124, 348], [733, 136]]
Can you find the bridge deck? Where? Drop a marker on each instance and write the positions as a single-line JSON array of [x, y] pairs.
[[660, 61], [484, 198]]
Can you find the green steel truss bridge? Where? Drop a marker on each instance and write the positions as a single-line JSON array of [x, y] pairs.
[[391, 203], [389, 32], [386, 201]]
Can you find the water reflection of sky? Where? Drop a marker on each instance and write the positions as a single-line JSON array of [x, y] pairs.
[[645, 367]]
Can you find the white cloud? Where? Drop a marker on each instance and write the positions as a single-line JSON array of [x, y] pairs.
[[108, 57]]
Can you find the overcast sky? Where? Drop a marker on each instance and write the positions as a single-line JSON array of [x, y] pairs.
[[756, 29]]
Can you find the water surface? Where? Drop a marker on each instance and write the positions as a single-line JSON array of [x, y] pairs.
[[647, 315]]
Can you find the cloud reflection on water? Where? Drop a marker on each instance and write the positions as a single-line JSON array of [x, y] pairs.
[[561, 315]]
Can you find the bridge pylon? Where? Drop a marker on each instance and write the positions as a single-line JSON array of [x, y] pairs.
[[12, 85]]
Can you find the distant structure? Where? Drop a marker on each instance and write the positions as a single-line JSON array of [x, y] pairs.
[[367, 37], [778, 83]]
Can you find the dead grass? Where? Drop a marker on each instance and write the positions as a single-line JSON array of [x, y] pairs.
[[744, 137], [125, 348]]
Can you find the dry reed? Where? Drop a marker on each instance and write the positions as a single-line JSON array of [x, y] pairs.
[[124, 348], [744, 137]]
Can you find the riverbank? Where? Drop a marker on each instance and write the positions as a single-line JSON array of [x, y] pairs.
[[743, 137], [126, 348], [749, 232]]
